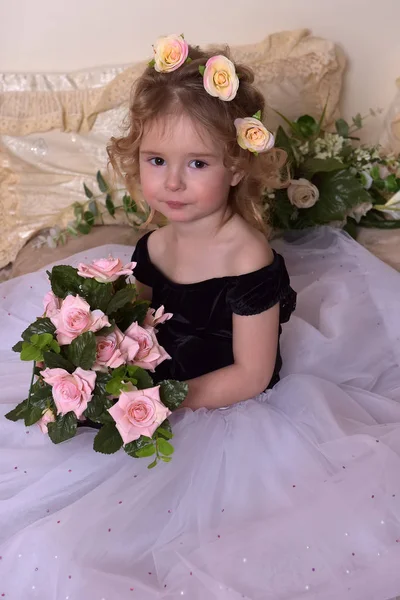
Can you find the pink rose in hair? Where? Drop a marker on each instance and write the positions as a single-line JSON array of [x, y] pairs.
[[170, 52], [156, 317], [220, 79], [138, 412], [108, 352], [106, 270], [47, 417], [71, 391], [74, 318], [51, 304], [150, 354]]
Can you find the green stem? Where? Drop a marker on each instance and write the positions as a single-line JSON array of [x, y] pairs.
[[33, 375]]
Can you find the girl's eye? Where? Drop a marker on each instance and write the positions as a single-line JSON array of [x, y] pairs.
[[157, 161], [198, 164]]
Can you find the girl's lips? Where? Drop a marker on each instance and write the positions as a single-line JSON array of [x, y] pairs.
[[175, 205]]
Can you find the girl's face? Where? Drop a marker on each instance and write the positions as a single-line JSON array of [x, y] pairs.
[[182, 173]]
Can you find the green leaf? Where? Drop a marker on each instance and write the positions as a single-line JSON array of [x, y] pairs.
[[17, 347], [351, 228], [101, 382], [97, 409], [307, 126], [121, 298], [152, 464], [129, 204], [84, 228], [357, 120], [82, 350], [63, 428], [321, 119], [143, 379], [56, 361], [110, 205], [18, 412], [188, 60], [108, 440], [146, 451], [65, 280], [173, 393], [292, 125], [257, 115], [30, 352], [93, 207], [41, 395], [101, 182], [133, 447], [41, 325], [113, 387], [78, 211], [165, 447], [165, 431], [55, 347], [282, 141], [88, 192], [311, 166], [97, 294], [32, 415], [166, 459], [391, 183], [89, 217], [342, 127], [134, 313], [201, 70], [42, 340], [151, 63]]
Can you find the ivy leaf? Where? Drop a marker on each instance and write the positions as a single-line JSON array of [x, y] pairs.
[[82, 350], [41, 325], [63, 428], [88, 192], [101, 182], [122, 297], [56, 361], [18, 412], [108, 440], [110, 205], [173, 393], [342, 128], [64, 280], [165, 447]]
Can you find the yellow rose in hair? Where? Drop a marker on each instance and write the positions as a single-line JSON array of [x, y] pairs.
[[170, 53], [220, 79], [253, 136]]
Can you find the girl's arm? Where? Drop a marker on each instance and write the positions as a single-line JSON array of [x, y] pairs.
[[255, 346]]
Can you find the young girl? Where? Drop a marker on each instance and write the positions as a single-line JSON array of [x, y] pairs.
[[278, 490]]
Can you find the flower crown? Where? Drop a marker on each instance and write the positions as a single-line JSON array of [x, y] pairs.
[[221, 81]]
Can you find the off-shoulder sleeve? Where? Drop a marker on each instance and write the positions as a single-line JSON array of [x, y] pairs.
[[256, 292], [144, 271]]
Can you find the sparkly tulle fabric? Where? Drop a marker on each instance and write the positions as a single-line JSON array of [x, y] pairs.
[[292, 495]]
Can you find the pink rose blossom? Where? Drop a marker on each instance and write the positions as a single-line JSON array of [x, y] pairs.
[[106, 270], [108, 353], [157, 317], [47, 417], [51, 304], [75, 317], [150, 354], [71, 391], [138, 413]]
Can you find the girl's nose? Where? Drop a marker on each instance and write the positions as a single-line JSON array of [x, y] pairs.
[[174, 180]]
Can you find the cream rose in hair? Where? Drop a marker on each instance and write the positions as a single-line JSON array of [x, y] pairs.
[[170, 53], [253, 136], [302, 193], [220, 79]]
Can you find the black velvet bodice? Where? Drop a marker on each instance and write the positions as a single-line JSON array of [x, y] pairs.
[[199, 335]]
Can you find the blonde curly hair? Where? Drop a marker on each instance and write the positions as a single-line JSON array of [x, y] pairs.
[[156, 95]]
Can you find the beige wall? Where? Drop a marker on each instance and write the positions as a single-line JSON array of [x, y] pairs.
[[59, 35]]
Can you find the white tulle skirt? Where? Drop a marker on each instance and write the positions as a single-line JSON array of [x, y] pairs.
[[292, 495]]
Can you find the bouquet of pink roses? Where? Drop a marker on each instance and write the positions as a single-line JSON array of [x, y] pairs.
[[93, 349]]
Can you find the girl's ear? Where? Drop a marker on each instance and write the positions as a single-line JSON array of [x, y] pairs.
[[237, 177]]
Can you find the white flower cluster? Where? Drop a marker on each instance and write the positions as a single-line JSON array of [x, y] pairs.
[[329, 146]]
